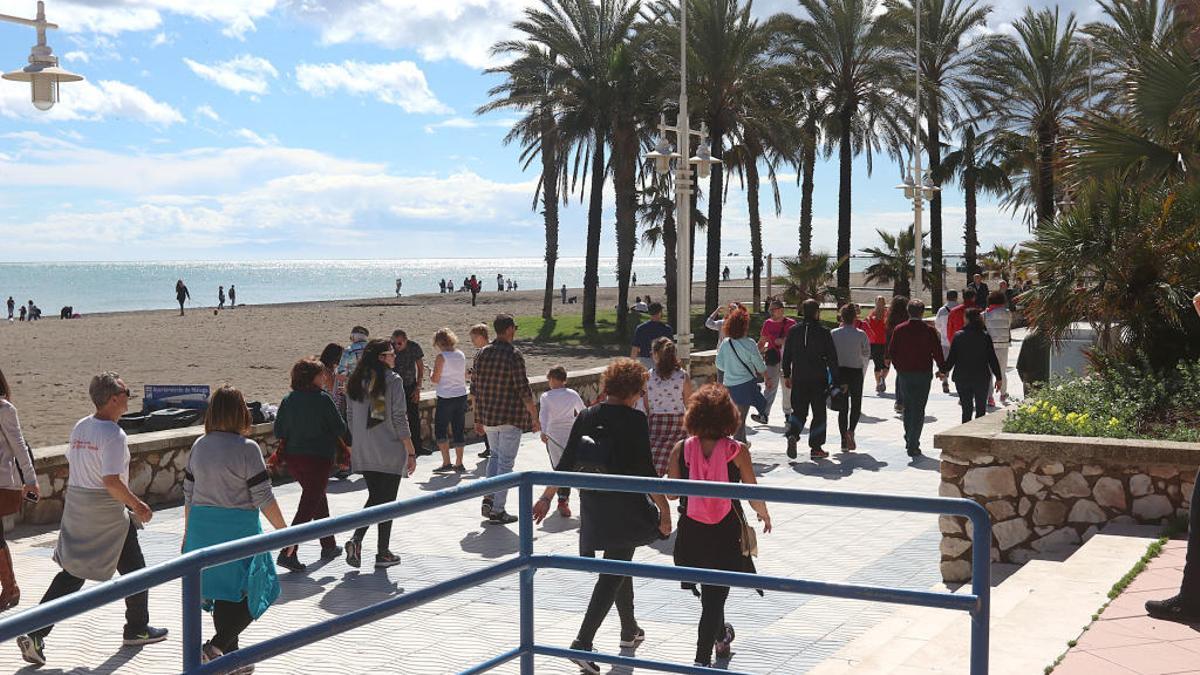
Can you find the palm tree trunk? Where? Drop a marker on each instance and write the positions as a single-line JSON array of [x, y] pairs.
[[845, 160], [808, 162], [971, 234], [934, 149], [625, 155], [756, 244], [670, 261], [712, 263], [1045, 198], [550, 204], [591, 270]]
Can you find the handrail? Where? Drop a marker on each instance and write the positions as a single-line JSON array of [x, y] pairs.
[[188, 567]]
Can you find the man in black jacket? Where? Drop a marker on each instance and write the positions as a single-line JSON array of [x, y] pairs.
[[809, 360]]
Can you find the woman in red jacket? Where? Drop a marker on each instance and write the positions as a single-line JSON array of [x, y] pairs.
[[876, 329]]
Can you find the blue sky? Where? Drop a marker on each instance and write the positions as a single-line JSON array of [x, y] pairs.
[[261, 129]]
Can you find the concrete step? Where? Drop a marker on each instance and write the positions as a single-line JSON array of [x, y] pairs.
[[1034, 613]]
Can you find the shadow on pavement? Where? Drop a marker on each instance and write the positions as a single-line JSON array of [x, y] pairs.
[[838, 466], [359, 589], [493, 541], [925, 463]]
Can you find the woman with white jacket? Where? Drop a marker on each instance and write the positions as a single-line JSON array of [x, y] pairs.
[[16, 473]]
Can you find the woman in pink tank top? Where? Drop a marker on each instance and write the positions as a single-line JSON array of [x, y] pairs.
[[710, 529]]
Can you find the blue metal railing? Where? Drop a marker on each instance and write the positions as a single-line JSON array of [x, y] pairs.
[[188, 567]]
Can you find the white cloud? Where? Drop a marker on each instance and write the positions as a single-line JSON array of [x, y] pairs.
[[461, 30], [236, 17], [400, 83], [254, 139], [103, 100], [159, 40], [460, 123], [244, 73], [207, 112], [77, 56]]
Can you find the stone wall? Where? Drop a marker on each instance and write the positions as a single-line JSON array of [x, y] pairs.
[[1048, 494], [157, 459]]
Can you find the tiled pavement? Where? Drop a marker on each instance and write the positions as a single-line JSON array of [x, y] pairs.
[[1125, 641], [778, 633]]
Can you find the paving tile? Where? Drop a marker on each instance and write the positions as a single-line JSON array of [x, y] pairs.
[[1085, 663], [1151, 659]]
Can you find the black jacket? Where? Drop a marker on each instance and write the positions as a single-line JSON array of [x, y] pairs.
[[809, 353], [972, 354]]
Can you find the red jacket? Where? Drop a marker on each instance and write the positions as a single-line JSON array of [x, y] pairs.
[[915, 347], [956, 320], [876, 330]]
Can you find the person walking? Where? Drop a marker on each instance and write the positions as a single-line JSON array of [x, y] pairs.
[[897, 314], [876, 329], [479, 339], [853, 354], [499, 282], [442, 286], [981, 291], [330, 356], [410, 366], [711, 530], [942, 322], [739, 359], [101, 516], [504, 407], [957, 317], [16, 474], [220, 297], [810, 365], [474, 286], [308, 427], [349, 361], [562, 292], [716, 322], [225, 486], [11, 304], [399, 285], [181, 295], [998, 319], [914, 348], [667, 390], [557, 410], [770, 343], [973, 361], [612, 438], [376, 412], [450, 416], [647, 332], [232, 297]]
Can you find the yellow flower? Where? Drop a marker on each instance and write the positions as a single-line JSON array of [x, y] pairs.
[[1071, 417], [1112, 422], [1058, 417]]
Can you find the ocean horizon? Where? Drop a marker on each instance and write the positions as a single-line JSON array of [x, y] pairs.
[[91, 287]]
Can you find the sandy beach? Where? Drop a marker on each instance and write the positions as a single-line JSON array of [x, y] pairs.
[[48, 363]]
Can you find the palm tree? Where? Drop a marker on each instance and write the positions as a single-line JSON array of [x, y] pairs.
[[1034, 84], [809, 276], [977, 163], [893, 263], [528, 87], [657, 213], [585, 35], [1003, 261], [850, 44], [806, 108], [949, 49]]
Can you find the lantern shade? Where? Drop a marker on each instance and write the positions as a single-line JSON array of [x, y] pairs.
[[35, 72]]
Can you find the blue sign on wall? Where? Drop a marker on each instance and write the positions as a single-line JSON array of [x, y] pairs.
[[159, 396]]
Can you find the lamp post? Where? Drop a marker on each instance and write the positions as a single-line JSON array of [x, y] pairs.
[[42, 73], [917, 185], [662, 156]]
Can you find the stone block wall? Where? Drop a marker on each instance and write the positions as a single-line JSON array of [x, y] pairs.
[[1047, 494], [157, 459]]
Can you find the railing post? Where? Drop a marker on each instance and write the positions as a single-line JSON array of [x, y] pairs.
[[981, 587], [525, 526], [191, 620]]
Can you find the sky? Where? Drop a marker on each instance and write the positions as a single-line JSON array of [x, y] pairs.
[[313, 129]]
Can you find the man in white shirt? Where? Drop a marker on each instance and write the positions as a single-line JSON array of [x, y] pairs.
[[97, 536], [558, 408], [941, 322]]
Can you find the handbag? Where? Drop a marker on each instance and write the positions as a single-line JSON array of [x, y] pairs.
[[749, 536], [12, 498]]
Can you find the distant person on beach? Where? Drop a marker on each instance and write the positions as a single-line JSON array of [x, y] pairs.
[[562, 292], [12, 304], [232, 297], [508, 284], [475, 288], [504, 408], [220, 297], [640, 305], [97, 535], [23, 311], [645, 334], [725, 273], [442, 286], [181, 295], [748, 272], [399, 285], [634, 278], [499, 282], [449, 285]]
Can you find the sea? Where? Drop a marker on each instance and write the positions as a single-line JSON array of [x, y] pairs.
[[90, 287]]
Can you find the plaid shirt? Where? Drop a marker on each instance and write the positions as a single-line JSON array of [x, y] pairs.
[[500, 386]]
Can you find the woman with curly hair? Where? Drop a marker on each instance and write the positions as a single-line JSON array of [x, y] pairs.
[[711, 530], [612, 437], [743, 365], [667, 388]]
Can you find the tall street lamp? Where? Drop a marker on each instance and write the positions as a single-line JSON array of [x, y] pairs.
[[43, 72], [662, 156], [918, 185]]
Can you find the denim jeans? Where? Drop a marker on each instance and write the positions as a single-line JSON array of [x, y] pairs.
[[776, 376], [973, 396], [504, 440], [913, 388], [450, 417]]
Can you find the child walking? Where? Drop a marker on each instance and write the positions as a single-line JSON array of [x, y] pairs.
[[558, 409]]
